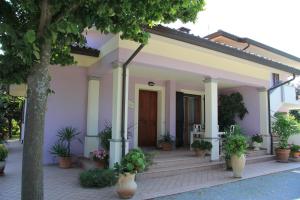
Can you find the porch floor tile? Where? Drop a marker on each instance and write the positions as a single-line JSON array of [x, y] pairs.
[[63, 184]]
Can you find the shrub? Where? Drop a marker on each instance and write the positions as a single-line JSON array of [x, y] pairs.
[[148, 159], [167, 138], [202, 144], [295, 148], [59, 149], [98, 178], [3, 152], [105, 136], [236, 144], [284, 127], [257, 138], [133, 162]]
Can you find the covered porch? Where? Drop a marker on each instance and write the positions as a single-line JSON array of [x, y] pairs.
[[161, 100]]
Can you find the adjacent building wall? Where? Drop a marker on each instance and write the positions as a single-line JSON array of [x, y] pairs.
[[66, 107]]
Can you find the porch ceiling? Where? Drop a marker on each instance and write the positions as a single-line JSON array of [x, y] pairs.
[[183, 77]]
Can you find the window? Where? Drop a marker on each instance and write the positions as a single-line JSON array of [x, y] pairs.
[[275, 78]]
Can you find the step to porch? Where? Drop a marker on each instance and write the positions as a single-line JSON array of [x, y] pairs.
[[181, 165]]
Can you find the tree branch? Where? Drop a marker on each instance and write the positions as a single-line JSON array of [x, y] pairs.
[[44, 18], [61, 15]]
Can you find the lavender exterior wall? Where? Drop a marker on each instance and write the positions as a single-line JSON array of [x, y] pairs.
[[250, 124], [67, 107]]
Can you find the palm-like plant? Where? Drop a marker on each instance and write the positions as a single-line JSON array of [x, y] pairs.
[[66, 136]]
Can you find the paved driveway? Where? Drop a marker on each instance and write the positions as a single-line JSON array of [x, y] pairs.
[[60, 184], [279, 186]]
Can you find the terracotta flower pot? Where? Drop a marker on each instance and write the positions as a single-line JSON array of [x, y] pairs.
[[65, 162], [100, 164], [256, 146], [296, 154], [126, 186], [238, 165], [283, 155], [2, 167], [166, 146], [200, 152]]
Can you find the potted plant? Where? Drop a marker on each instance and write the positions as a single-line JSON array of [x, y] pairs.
[[132, 163], [257, 141], [62, 148], [166, 142], [201, 147], [236, 145], [99, 156], [295, 151], [3, 156], [284, 127]]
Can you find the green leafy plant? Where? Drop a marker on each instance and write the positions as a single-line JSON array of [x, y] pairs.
[[63, 146], [3, 152], [295, 148], [133, 162], [149, 156], [60, 149], [236, 144], [202, 144], [105, 136], [285, 126], [97, 178], [167, 138], [257, 138], [231, 106]]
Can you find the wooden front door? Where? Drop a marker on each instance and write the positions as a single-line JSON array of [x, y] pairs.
[[147, 118]]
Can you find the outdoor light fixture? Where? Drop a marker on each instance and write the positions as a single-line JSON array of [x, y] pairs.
[[150, 83]]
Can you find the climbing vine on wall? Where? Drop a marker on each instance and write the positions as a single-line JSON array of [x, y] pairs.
[[230, 107]]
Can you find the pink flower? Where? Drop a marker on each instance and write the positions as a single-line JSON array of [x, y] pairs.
[[99, 154]]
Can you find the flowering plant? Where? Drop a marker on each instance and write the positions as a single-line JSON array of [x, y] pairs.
[[99, 155]]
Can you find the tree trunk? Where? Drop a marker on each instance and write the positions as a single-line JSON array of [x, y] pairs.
[[37, 93], [10, 128]]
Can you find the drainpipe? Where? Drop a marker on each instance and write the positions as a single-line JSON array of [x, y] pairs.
[[269, 107], [124, 67]]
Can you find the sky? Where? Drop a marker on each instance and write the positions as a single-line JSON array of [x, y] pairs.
[[272, 22]]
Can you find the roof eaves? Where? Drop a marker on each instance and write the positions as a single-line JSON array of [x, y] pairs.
[[253, 42], [205, 43], [87, 51]]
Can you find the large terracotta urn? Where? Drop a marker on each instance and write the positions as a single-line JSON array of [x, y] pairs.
[[238, 165], [126, 186], [283, 155], [200, 152], [2, 167]]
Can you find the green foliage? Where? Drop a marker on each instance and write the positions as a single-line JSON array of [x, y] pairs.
[[105, 136], [63, 145], [295, 148], [97, 178], [167, 138], [202, 144], [3, 152], [284, 127], [10, 114], [257, 138], [23, 35], [236, 144], [231, 106], [296, 114], [133, 162], [60, 149]]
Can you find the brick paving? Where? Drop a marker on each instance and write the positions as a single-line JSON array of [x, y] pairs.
[[63, 184]]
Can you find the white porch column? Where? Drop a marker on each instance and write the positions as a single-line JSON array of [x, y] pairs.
[[202, 110], [115, 152], [211, 117], [263, 118], [91, 138], [171, 107]]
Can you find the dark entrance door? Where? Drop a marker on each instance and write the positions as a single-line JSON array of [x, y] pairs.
[[147, 118], [188, 113]]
